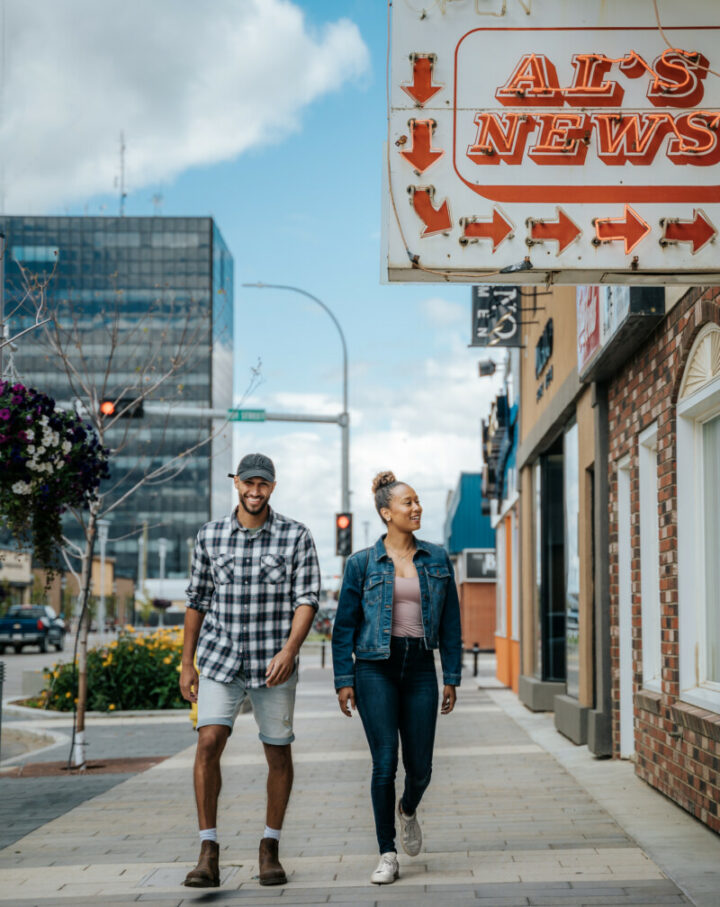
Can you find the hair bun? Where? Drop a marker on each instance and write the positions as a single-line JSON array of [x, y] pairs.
[[382, 479]]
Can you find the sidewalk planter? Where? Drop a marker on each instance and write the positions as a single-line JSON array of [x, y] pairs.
[[133, 672]]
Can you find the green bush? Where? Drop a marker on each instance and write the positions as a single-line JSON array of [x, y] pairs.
[[132, 672]]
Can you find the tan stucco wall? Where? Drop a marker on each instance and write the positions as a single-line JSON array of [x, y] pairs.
[[560, 306]]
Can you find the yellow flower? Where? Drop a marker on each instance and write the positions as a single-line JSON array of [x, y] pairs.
[[129, 628], [167, 660], [68, 694], [111, 707], [178, 668]]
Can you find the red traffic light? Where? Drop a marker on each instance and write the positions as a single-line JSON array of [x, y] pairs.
[[343, 521], [107, 408]]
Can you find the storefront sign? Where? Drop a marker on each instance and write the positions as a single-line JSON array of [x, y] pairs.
[[579, 154], [611, 321], [496, 316], [479, 565]]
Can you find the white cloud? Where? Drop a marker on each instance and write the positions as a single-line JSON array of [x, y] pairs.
[[427, 432], [444, 313], [189, 82]]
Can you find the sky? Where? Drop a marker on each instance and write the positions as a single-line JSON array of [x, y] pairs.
[[270, 116]]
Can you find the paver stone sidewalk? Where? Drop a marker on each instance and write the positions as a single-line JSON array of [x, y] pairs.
[[504, 823]]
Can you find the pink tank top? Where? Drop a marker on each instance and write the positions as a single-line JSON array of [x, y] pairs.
[[407, 612]]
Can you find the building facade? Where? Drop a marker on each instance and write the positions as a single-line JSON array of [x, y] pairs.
[[501, 499], [133, 295], [471, 543], [664, 511]]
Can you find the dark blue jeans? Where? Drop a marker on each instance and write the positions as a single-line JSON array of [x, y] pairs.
[[398, 696]]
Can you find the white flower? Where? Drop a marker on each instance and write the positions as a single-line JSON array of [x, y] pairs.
[[30, 435], [21, 488], [30, 447], [40, 451], [66, 447]]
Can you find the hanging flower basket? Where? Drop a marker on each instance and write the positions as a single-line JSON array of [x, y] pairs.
[[49, 461]]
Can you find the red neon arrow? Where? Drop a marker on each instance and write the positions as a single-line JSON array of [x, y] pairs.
[[698, 231], [498, 229], [563, 230], [421, 155], [436, 220], [421, 88], [631, 228]]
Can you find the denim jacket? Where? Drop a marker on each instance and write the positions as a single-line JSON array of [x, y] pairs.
[[363, 621]]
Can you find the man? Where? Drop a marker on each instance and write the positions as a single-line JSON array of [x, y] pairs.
[[251, 601]]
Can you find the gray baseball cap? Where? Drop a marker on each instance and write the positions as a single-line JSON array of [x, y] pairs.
[[255, 466]]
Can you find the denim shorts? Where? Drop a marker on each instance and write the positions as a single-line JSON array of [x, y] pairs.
[[273, 707]]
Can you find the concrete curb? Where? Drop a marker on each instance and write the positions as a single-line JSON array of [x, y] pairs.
[[22, 711]]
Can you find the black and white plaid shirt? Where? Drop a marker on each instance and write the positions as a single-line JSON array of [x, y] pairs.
[[248, 586]]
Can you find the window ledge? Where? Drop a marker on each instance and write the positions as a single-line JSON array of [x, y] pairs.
[[697, 719], [648, 700]]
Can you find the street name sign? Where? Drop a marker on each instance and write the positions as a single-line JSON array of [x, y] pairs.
[[246, 415], [557, 142]]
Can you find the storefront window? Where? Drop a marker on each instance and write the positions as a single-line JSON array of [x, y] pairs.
[[698, 522], [572, 562], [711, 483]]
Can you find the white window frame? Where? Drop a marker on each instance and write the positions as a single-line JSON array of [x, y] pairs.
[[650, 560], [625, 673], [692, 413]]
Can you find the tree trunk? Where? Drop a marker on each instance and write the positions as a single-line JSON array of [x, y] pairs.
[[78, 754]]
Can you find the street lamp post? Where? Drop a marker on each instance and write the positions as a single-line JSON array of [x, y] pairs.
[[345, 415], [103, 526], [162, 551]]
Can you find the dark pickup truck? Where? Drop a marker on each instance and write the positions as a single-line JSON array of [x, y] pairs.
[[32, 625]]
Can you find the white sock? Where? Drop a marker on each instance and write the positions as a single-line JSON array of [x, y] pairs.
[[271, 833], [208, 834]]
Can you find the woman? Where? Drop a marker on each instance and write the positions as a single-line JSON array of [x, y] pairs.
[[398, 602]]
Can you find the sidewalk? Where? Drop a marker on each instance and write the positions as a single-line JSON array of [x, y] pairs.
[[505, 823]]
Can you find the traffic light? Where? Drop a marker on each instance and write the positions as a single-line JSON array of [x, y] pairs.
[[343, 534], [127, 407]]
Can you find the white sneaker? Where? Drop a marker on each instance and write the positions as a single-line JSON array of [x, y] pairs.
[[387, 869], [410, 832]]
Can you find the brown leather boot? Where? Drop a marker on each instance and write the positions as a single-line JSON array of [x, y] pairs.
[[271, 871], [207, 872]]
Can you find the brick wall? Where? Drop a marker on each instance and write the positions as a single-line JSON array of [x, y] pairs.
[[677, 746]]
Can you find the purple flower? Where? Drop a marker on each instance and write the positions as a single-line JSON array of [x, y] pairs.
[[22, 436], [4, 414], [18, 387], [16, 398]]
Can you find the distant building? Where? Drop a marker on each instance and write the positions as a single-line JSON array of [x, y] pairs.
[[470, 540], [165, 276]]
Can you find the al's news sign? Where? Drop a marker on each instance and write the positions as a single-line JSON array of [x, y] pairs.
[[554, 141]]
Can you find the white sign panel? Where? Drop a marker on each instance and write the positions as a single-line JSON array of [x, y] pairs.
[[557, 142]]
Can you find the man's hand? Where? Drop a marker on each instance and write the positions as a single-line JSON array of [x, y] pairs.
[[346, 699], [448, 700], [189, 682], [280, 667]]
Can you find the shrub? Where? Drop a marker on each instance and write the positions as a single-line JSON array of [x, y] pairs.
[[131, 672]]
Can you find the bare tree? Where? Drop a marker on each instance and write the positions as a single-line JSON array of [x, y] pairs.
[[117, 351]]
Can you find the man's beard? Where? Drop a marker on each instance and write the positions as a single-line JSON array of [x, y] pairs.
[[260, 507]]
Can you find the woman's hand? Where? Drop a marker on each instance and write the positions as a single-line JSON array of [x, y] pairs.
[[448, 700], [346, 699]]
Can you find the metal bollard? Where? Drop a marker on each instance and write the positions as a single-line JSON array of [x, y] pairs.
[[2, 681], [476, 652], [322, 654]]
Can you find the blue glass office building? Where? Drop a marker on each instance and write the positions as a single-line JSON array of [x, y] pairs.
[[165, 286]]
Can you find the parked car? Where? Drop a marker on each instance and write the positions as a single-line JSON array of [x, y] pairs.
[[32, 625]]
